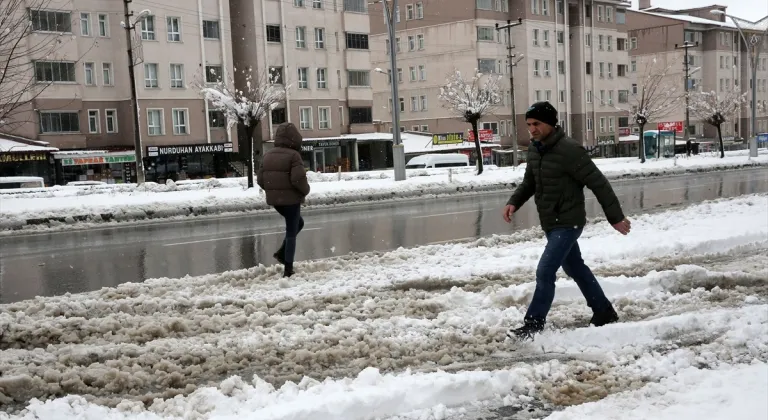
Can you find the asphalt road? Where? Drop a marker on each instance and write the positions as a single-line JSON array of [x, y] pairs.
[[57, 263]]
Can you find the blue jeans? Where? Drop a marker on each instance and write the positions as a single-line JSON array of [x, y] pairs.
[[562, 250], [293, 225]]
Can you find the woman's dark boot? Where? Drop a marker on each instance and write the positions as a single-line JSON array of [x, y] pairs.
[[288, 270]]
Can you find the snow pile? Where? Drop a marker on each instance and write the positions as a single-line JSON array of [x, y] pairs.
[[408, 334], [99, 204]]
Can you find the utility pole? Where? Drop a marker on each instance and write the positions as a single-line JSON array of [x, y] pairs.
[[398, 150], [686, 132], [134, 101], [510, 57]]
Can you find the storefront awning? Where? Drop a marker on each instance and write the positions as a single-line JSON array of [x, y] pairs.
[[10, 144]]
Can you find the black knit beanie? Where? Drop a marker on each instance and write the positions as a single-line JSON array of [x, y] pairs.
[[544, 112]]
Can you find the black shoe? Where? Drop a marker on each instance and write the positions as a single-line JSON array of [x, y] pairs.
[[279, 257], [603, 318], [527, 331], [288, 272]]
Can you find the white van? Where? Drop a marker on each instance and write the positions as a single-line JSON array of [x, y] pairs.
[[13, 182], [448, 160]]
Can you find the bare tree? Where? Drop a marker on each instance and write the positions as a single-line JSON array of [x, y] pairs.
[[715, 109], [657, 95], [471, 100], [19, 86], [246, 105]]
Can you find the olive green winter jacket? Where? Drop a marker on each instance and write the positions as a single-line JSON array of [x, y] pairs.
[[556, 173]]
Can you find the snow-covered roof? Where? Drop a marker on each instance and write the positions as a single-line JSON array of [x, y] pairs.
[[8, 145], [691, 19], [76, 153]]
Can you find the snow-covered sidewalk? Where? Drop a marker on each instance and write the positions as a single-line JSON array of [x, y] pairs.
[[63, 207], [416, 333]]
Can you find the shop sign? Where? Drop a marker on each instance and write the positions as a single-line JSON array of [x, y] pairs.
[[307, 148], [154, 151], [326, 143], [676, 126], [97, 160], [486, 135], [624, 131], [448, 138], [22, 157]]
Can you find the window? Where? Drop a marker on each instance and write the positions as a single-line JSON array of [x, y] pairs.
[[548, 96], [546, 38], [485, 65], [211, 29], [411, 42], [359, 78], [609, 14], [59, 122], [588, 11], [611, 124], [561, 67], [357, 41], [303, 78], [610, 97], [85, 24], [623, 96], [106, 74], [484, 4], [485, 33], [412, 71], [560, 37], [545, 7], [621, 70], [602, 124], [560, 7], [419, 10], [633, 43], [180, 122], [276, 75], [634, 88], [89, 78], [409, 12], [601, 73], [423, 100], [213, 74], [402, 105], [425, 128], [546, 68], [45, 21], [621, 17], [536, 67], [278, 116], [537, 95], [503, 128], [633, 66], [589, 96], [174, 29], [623, 122], [397, 41], [298, 3], [150, 75], [621, 44], [305, 118], [322, 78], [399, 75], [111, 120], [600, 45], [535, 37], [93, 121], [397, 14], [588, 67], [177, 76], [610, 70], [55, 71], [320, 38], [317, 4], [420, 41], [562, 97], [274, 34], [414, 103], [588, 40], [360, 6], [301, 37], [155, 122], [610, 43], [217, 119], [324, 117], [493, 126], [590, 124], [360, 115], [602, 96], [148, 28], [600, 13], [103, 25], [422, 72]]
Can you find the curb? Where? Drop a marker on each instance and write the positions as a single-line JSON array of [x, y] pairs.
[[139, 214]]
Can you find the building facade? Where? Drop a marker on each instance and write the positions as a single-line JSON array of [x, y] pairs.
[[719, 63], [574, 54]]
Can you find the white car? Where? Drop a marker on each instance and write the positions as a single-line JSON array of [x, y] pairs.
[[447, 160]]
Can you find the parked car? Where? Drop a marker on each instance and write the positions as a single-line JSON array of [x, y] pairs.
[[448, 160], [13, 182]]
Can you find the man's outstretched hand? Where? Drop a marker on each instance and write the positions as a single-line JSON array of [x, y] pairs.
[[509, 210], [623, 226]]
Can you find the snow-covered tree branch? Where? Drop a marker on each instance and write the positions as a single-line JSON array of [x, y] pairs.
[[471, 100], [715, 109], [246, 105]]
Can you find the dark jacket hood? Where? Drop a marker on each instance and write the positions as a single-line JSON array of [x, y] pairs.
[[288, 136]]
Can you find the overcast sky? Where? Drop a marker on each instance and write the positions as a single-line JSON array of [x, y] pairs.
[[747, 9]]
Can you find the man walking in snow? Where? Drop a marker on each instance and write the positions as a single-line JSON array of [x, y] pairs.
[[283, 178], [556, 172]]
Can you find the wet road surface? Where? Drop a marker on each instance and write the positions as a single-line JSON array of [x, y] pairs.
[[77, 261]]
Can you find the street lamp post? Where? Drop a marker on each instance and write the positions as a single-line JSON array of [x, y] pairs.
[[398, 150], [755, 42], [687, 131], [510, 57]]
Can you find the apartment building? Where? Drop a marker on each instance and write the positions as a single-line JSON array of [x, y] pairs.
[[720, 63], [85, 110], [575, 56]]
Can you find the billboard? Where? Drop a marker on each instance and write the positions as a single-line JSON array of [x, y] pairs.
[[486, 135], [676, 126]]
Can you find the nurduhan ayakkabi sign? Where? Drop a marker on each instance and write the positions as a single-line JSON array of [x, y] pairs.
[[153, 151]]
